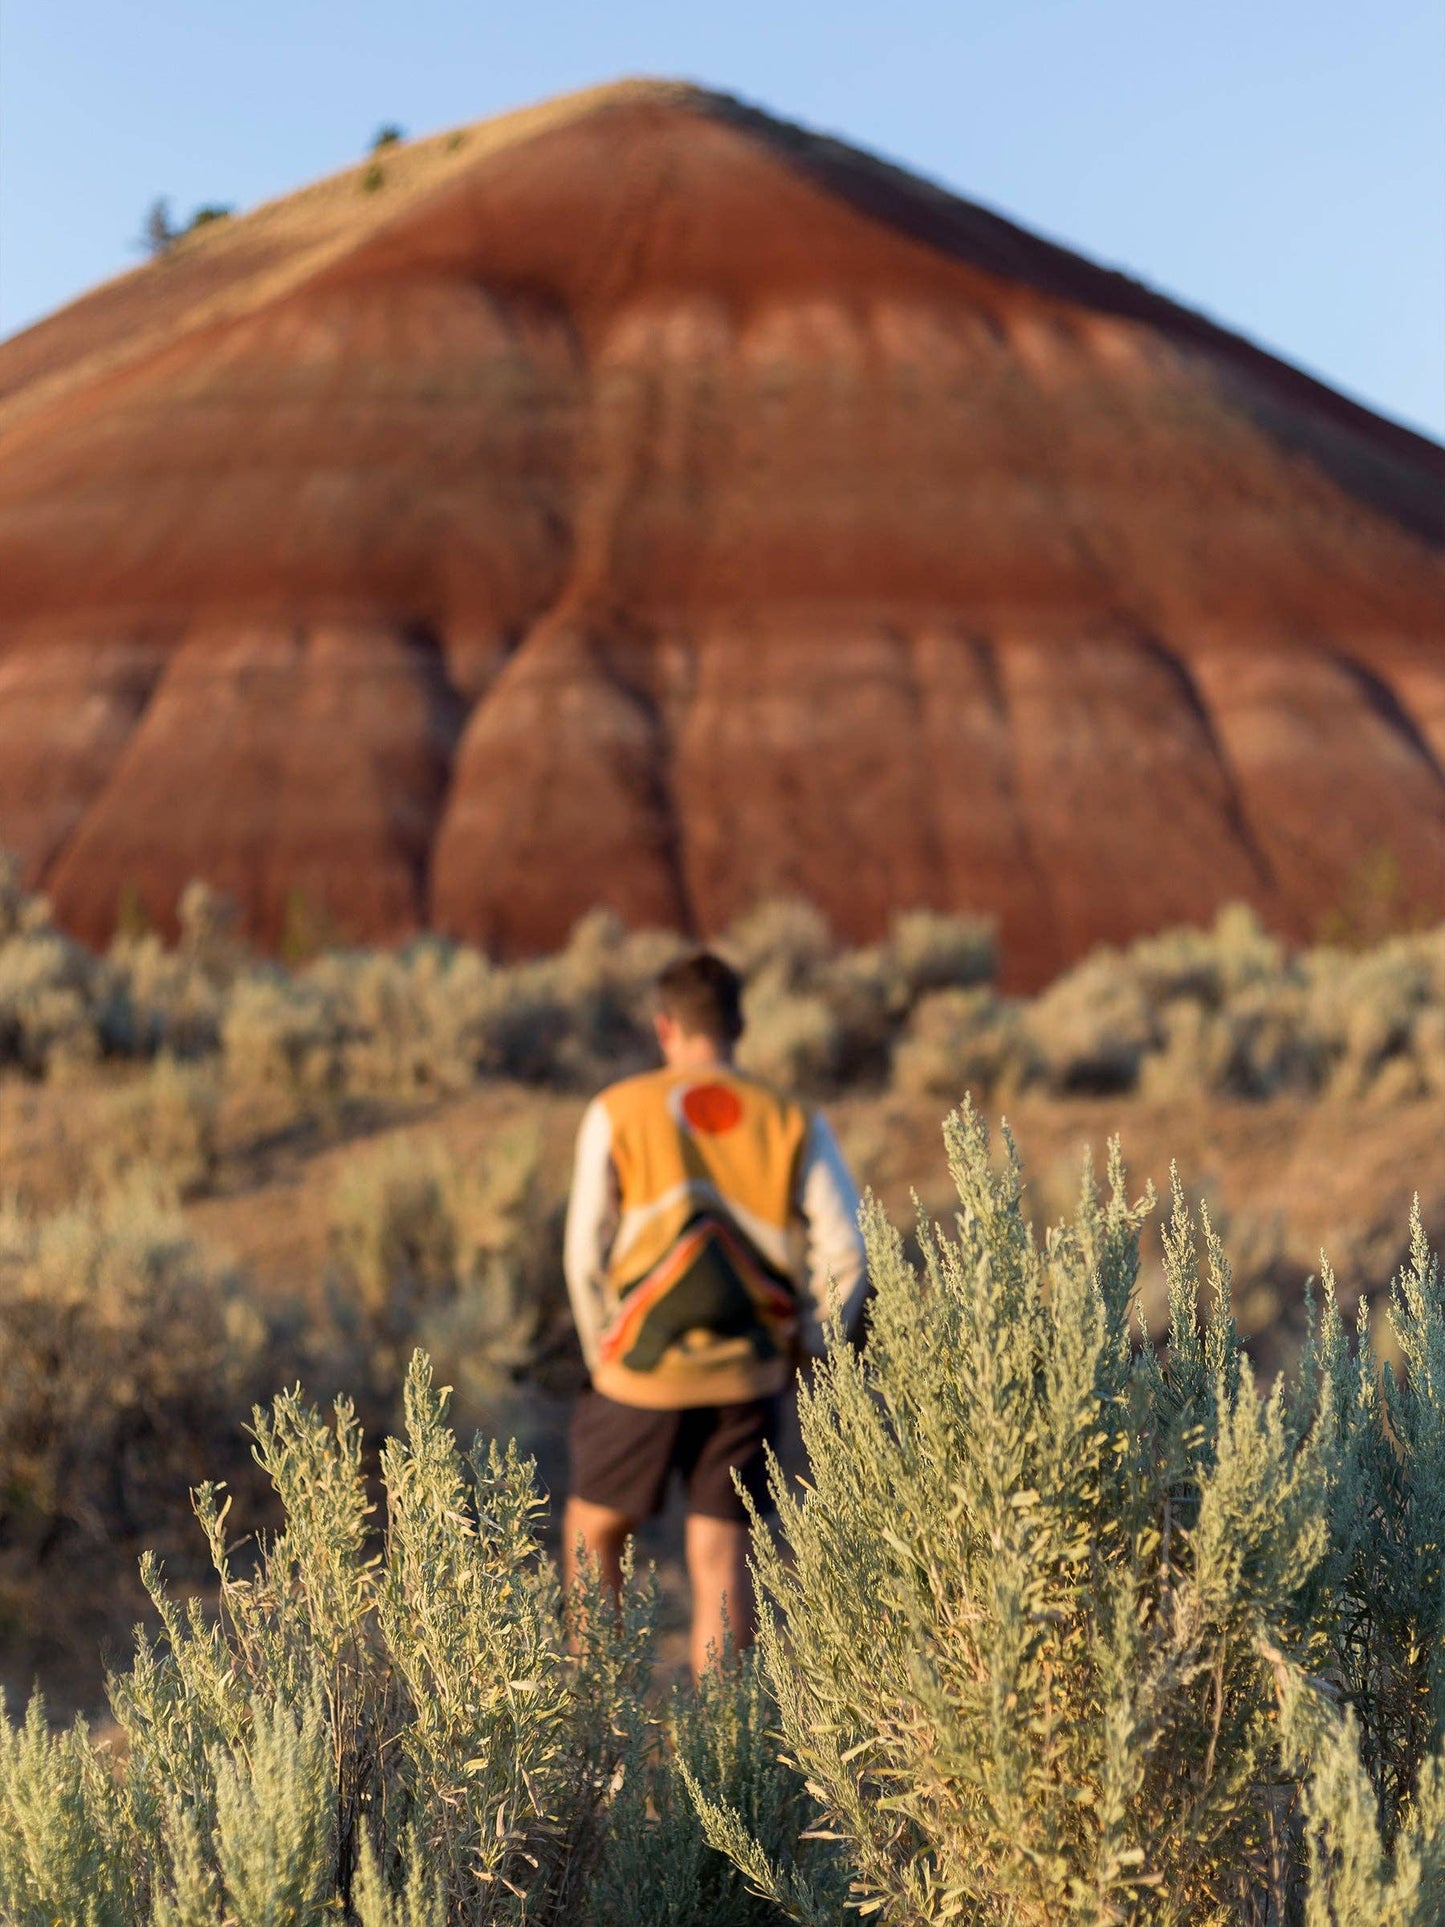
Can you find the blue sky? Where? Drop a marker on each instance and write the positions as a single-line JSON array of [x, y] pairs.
[[1279, 164]]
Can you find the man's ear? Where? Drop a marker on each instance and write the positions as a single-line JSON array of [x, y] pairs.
[[666, 1030]]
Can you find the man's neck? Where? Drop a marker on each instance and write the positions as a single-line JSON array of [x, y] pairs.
[[698, 1054]]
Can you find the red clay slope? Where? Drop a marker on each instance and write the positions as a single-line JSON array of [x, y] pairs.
[[637, 501]]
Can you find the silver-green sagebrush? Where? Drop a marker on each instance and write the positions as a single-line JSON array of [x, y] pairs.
[[1230, 1010], [1068, 1628], [1062, 1627]]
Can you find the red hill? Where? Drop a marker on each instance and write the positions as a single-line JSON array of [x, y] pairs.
[[636, 500]]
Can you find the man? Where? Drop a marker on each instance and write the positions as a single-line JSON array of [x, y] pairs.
[[712, 1230]]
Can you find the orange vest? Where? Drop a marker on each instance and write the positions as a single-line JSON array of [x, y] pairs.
[[700, 1279]]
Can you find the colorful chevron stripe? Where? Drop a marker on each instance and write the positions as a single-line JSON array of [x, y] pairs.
[[774, 1302]]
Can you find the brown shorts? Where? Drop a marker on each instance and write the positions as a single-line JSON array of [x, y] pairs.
[[622, 1456]]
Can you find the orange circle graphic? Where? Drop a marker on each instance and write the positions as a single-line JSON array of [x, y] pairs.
[[711, 1108]]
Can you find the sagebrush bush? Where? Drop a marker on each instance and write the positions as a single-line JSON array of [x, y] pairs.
[[283, 1034], [786, 935], [1094, 1027], [50, 987], [394, 1228], [964, 1040], [1060, 1627], [1057, 1624], [120, 1340], [464, 1260], [130, 1353], [160, 999], [1227, 1011], [166, 1123], [930, 951], [820, 1018], [716, 1751], [1382, 1585], [422, 1730], [411, 1021], [792, 1037]]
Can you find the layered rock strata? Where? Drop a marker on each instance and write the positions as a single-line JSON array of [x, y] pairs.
[[637, 501]]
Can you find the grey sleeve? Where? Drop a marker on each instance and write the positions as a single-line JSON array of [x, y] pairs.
[[828, 1203]]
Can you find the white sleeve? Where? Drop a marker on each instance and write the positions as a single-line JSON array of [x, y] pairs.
[[837, 1274], [591, 1227]]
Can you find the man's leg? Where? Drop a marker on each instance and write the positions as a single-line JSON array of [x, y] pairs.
[[600, 1533], [722, 1588], [619, 1457]]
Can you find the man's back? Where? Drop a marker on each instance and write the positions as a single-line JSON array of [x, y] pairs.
[[694, 1181]]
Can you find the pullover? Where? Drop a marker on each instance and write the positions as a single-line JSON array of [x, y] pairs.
[[712, 1230]]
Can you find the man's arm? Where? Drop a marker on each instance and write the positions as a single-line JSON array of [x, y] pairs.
[[591, 1227], [837, 1274]]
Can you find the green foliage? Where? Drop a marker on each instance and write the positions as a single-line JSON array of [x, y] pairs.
[[282, 1034], [717, 1755], [1225, 1011], [62, 1828], [1061, 1627], [48, 990], [158, 233], [131, 1353], [119, 1341], [461, 1259], [308, 929], [159, 236], [1383, 1585], [132, 919], [1376, 904], [422, 1730], [958, 1039], [1027, 1623], [165, 1122], [818, 1017], [1350, 1877]]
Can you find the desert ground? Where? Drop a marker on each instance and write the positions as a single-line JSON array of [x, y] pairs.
[[1285, 1179]]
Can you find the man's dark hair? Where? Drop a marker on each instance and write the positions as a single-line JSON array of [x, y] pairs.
[[703, 996]]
